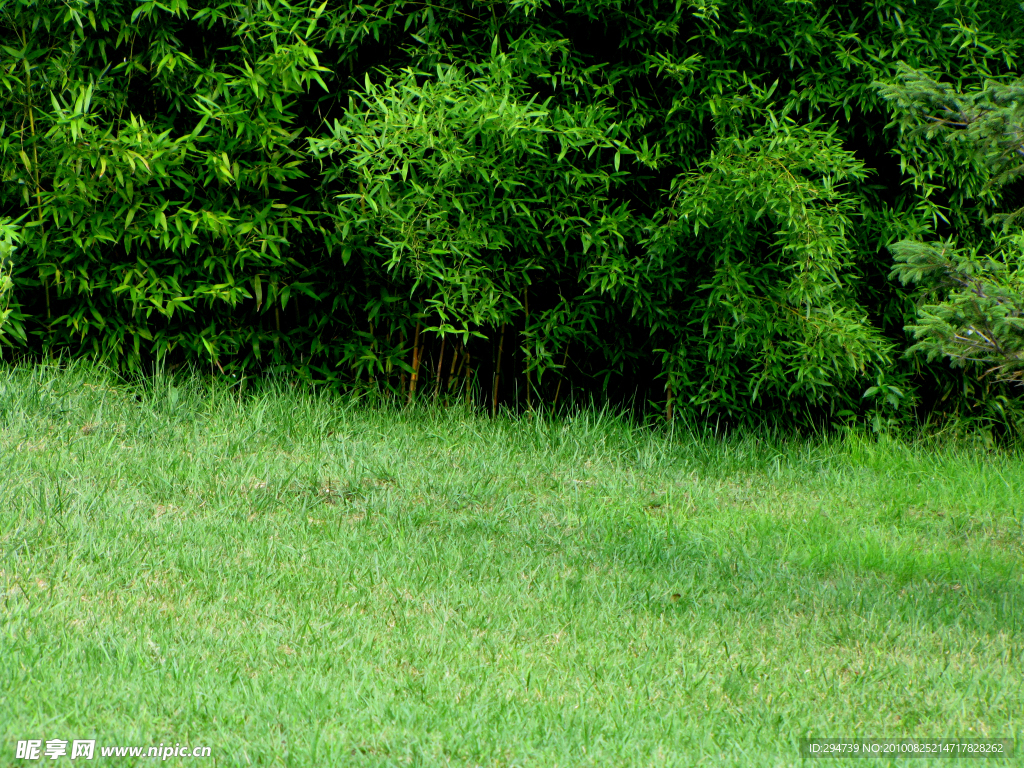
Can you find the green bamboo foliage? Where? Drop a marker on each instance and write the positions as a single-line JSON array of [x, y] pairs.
[[476, 199], [778, 293], [460, 194]]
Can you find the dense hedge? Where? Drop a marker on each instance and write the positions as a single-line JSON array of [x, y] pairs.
[[683, 202]]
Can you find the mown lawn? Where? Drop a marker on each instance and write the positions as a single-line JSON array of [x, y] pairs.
[[297, 580]]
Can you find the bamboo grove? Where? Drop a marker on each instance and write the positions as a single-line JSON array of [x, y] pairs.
[[685, 205]]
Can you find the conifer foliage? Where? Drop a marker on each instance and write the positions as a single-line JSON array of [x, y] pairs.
[[977, 319]]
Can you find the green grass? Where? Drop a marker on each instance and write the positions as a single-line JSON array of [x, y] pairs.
[[293, 579]]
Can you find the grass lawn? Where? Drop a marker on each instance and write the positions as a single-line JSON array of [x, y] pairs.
[[296, 580]]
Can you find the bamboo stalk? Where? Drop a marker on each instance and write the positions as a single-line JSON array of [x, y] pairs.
[[668, 401], [558, 389], [35, 162], [440, 366], [375, 374], [461, 357], [388, 366], [416, 355], [497, 371], [401, 375], [529, 378], [32, 128], [469, 373]]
